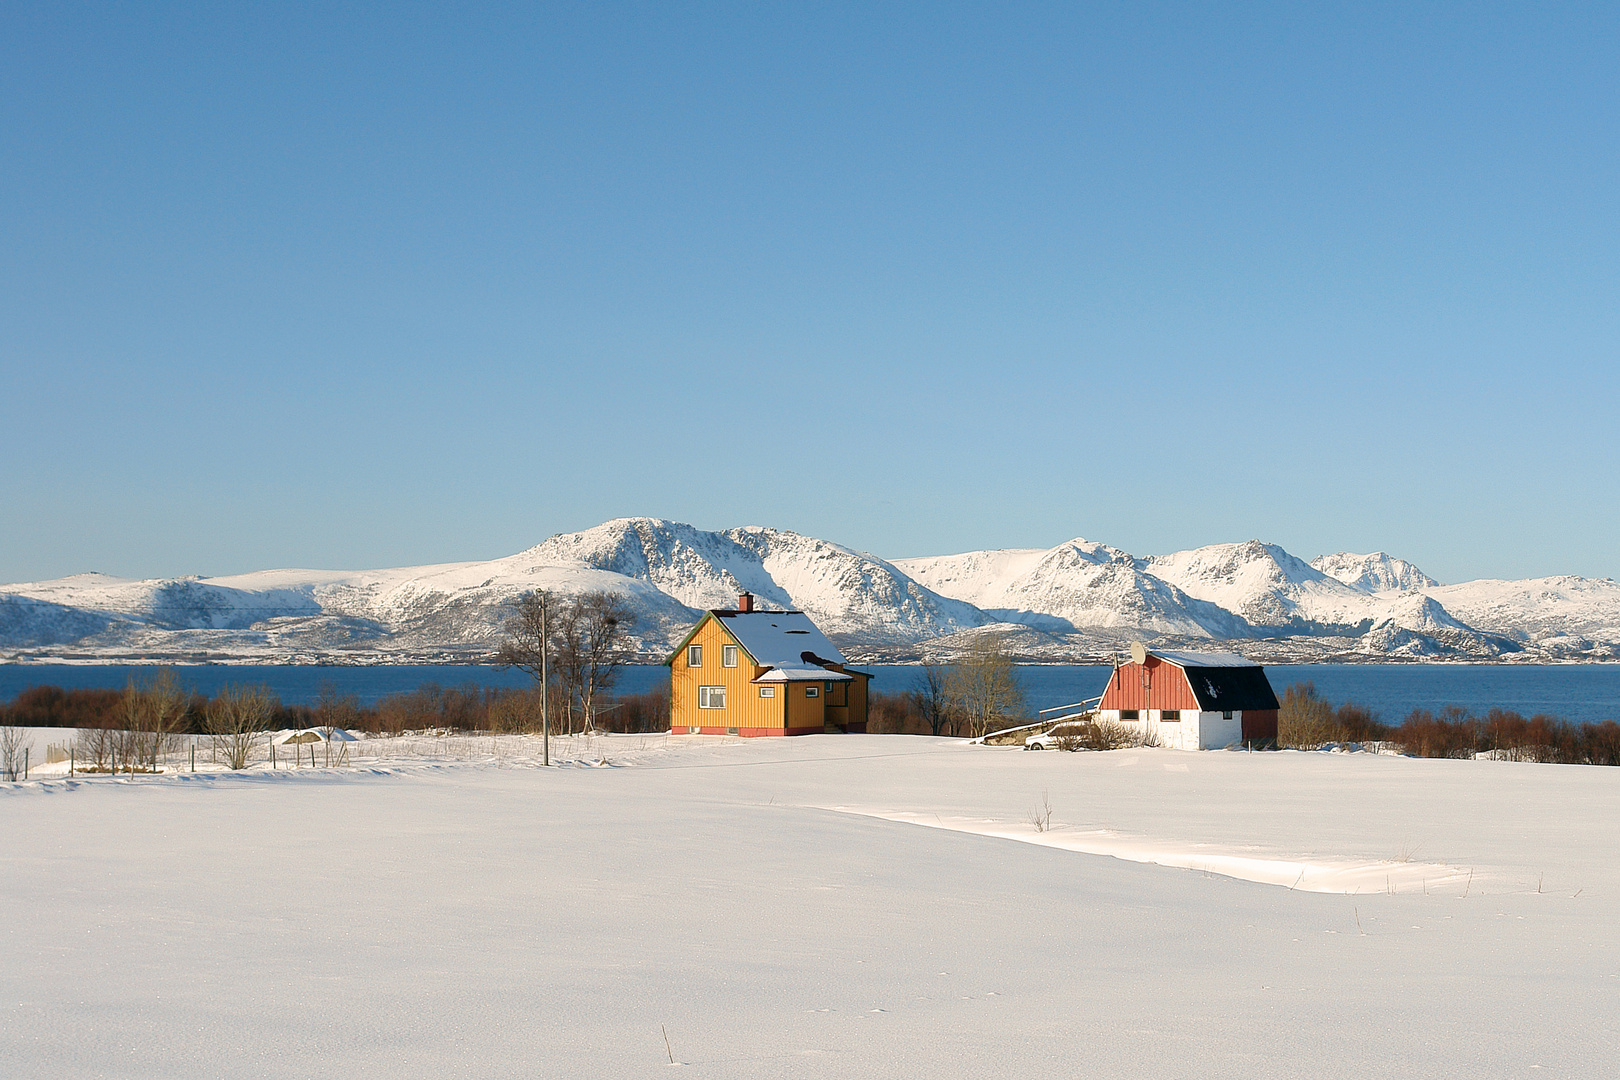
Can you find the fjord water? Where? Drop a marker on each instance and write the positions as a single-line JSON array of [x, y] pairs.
[[1581, 693]]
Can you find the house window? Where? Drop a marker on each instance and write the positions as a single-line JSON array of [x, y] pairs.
[[694, 656], [693, 730], [812, 691], [728, 656], [1227, 715], [711, 697], [1170, 716], [731, 731], [767, 691], [1129, 714]]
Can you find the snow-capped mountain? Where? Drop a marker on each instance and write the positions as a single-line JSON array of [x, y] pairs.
[[848, 593], [1269, 588], [668, 572], [1373, 573], [1565, 615], [1073, 586], [1078, 599]]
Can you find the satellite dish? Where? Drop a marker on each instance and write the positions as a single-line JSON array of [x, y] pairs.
[[1138, 652]]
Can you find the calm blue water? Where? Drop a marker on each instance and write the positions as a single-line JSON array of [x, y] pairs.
[[1580, 693]]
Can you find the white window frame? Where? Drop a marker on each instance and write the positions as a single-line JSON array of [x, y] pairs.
[[812, 691], [694, 656], [767, 691], [728, 656], [707, 696]]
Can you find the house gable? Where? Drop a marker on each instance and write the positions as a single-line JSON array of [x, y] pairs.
[[789, 678], [1226, 697]]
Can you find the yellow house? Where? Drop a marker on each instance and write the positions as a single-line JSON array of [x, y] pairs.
[[747, 672]]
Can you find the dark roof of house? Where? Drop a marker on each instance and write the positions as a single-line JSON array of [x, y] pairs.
[[1221, 688]]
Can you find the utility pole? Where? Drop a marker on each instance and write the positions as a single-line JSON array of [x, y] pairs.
[[545, 714]]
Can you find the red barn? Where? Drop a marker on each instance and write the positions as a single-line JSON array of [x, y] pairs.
[[1192, 700]]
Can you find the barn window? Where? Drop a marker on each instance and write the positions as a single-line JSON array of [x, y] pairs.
[[694, 656], [1227, 715], [767, 691], [1170, 715], [812, 691], [728, 656], [1129, 714], [711, 697]]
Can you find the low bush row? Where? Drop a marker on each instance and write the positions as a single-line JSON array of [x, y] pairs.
[[468, 707], [1306, 721]]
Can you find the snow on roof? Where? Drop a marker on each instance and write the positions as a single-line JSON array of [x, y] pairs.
[[803, 673], [780, 639], [312, 734], [1202, 659]]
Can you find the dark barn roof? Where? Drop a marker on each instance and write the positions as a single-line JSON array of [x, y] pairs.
[[1221, 688]]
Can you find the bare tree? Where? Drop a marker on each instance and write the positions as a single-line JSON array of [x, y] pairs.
[[567, 633], [238, 718], [130, 742], [527, 647], [334, 710], [165, 707], [13, 748], [929, 692], [983, 688], [94, 748], [604, 641], [591, 641]]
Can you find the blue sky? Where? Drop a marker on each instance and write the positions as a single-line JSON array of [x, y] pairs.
[[288, 287]]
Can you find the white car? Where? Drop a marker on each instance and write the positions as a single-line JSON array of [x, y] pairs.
[[1055, 738]]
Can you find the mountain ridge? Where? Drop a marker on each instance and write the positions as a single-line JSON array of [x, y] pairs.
[[1078, 601]]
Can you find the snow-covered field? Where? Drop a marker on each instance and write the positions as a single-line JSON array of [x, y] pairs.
[[849, 906]]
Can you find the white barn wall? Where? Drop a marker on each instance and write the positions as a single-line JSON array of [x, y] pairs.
[[1194, 731]]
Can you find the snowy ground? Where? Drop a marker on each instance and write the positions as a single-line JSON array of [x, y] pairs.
[[780, 908]]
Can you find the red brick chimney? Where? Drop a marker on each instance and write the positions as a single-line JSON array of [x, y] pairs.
[[745, 602]]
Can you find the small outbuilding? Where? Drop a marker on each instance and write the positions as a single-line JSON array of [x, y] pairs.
[[1192, 700], [327, 736], [747, 672]]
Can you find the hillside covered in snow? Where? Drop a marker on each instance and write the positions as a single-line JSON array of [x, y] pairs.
[[1079, 601]]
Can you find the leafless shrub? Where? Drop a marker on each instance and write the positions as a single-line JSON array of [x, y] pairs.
[[335, 710], [237, 720], [1306, 721], [931, 698], [13, 749], [637, 713], [1073, 737], [594, 645], [94, 747], [1114, 735], [1041, 816], [983, 689], [514, 711], [51, 706]]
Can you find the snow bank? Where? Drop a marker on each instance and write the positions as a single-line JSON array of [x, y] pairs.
[[482, 916]]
